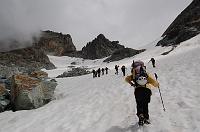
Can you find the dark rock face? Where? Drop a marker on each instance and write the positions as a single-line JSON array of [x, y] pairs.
[[8, 71], [25, 60], [56, 44], [100, 47], [184, 27], [123, 53]]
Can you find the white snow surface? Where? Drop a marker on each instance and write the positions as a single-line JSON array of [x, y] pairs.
[[107, 104]]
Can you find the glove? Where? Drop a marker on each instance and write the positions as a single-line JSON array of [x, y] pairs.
[[133, 85]]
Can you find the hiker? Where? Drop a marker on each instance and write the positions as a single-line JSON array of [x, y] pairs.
[[102, 70], [153, 62], [116, 68], [94, 72], [106, 70], [99, 72], [143, 82], [123, 68]]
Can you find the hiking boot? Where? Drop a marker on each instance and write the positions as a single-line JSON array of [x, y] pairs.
[[141, 119], [147, 121]]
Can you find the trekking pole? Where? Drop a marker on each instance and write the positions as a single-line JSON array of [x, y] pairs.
[[160, 92]]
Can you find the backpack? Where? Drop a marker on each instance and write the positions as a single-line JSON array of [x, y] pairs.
[[140, 73]]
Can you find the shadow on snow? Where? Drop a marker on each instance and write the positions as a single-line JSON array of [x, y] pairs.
[[131, 128]]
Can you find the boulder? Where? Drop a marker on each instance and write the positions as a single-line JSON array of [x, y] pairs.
[[39, 74], [26, 92], [29, 93], [48, 88]]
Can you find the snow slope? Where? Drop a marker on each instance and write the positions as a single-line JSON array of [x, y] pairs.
[[107, 104]]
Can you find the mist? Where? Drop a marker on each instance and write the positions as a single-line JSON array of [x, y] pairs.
[[132, 22]]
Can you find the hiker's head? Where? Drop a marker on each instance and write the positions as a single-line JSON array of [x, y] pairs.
[[138, 63]]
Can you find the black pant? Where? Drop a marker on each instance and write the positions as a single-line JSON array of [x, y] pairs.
[[153, 63], [123, 71], [143, 97]]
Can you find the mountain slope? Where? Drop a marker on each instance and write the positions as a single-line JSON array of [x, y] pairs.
[[184, 27], [107, 104]]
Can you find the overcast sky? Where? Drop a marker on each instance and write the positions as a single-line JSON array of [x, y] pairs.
[[132, 22]]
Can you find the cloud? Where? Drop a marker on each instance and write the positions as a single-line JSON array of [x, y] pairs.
[[132, 22]]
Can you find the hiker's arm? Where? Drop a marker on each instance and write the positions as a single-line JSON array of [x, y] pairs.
[[152, 81], [129, 79]]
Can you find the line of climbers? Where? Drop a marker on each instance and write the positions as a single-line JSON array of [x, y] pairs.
[[100, 71], [97, 73], [123, 69]]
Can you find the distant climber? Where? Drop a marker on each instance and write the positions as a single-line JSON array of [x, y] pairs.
[[94, 73], [153, 62], [102, 70], [123, 68], [106, 70], [99, 72], [116, 68]]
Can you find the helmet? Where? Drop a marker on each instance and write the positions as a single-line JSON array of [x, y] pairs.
[[141, 80]]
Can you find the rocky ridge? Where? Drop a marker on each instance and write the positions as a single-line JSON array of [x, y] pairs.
[[184, 27], [100, 47], [56, 44]]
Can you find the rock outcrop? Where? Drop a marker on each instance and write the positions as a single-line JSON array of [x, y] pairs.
[[19, 73], [184, 27], [123, 53], [57, 44], [29, 92], [23, 60], [74, 72], [100, 47]]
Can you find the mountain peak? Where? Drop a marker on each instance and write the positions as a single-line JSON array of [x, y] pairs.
[[101, 36]]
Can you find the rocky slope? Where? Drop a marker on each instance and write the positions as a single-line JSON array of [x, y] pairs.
[[24, 60], [24, 64], [184, 27]]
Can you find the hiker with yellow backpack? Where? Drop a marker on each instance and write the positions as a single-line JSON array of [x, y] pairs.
[[143, 83]]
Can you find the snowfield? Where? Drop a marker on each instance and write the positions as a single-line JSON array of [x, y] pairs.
[[107, 104]]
